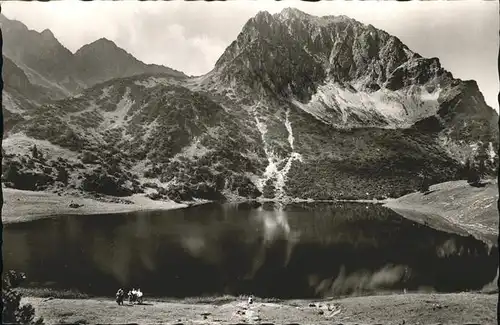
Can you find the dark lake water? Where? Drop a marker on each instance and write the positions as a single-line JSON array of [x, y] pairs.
[[300, 250]]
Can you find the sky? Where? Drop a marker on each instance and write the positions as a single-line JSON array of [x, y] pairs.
[[191, 36]]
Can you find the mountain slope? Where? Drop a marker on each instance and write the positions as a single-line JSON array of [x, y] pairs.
[[102, 60], [17, 90], [41, 56], [349, 75], [297, 107], [47, 63], [131, 129]]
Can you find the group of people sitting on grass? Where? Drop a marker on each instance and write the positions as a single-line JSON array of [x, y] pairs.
[[134, 296]]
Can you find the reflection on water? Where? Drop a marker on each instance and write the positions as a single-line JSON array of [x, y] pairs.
[[299, 250]]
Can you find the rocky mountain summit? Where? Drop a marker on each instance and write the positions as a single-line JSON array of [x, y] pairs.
[[345, 73], [297, 106]]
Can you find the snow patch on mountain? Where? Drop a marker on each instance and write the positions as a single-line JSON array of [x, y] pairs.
[[345, 107], [288, 126], [272, 171], [491, 152], [271, 168], [293, 155]]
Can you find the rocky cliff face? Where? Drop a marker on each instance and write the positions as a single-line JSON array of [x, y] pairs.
[[296, 107], [343, 72]]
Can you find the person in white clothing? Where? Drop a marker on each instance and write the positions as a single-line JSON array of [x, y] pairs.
[[139, 296]]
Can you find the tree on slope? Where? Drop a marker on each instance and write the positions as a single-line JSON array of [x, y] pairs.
[[473, 175], [12, 311]]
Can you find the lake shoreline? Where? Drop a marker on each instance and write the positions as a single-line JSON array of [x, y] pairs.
[[424, 308], [24, 205], [449, 206]]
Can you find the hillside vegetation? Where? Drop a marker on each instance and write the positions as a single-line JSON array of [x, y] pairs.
[[297, 106]]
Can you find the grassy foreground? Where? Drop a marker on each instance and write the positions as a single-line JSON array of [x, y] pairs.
[[460, 308]]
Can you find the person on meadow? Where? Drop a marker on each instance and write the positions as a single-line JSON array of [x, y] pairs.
[[139, 295], [120, 295], [131, 295]]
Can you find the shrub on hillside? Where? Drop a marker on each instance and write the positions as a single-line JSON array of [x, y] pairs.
[[331, 179], [207, 192], [178, 193], [425, 184], [155, 196], [62, 175], [12, 310], [89, 158], [11, 171], [269, 190], [150, 185], [101, 182], [34, 152], [472, 173], [16, 177], [243, 186]]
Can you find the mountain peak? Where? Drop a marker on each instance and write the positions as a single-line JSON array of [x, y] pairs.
[[47, 34], [11, 24], [100, 45], [102, 42], [293, 13], [262, 16]]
